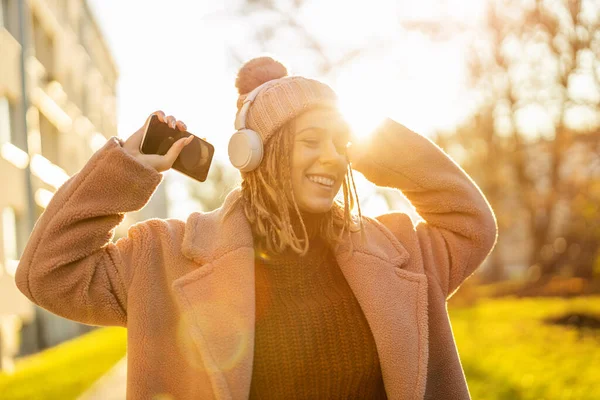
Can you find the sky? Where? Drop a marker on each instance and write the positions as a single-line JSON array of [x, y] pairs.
[[171, 58], [175, 56]]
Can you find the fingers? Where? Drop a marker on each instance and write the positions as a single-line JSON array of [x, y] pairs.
[[171, 121], [181, 126], [174, 151], [160, 114], [174, 123]]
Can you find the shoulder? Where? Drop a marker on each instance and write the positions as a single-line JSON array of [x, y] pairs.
[[397, 222], [401, 226], [196, 221], [156, 228]]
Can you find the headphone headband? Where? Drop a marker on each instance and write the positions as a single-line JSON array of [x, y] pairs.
[[240, 120], [245, 146]]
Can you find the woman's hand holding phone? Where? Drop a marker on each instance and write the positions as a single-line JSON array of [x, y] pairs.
[[158, 162]]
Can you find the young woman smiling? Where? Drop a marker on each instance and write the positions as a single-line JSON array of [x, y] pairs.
[[283, 292]]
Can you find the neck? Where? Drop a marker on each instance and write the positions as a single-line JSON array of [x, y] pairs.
[[312, 222]]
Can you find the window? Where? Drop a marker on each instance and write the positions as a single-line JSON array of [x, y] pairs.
[[63, 11], [9, 233], [11, 228], [83, 30], [82, 98], [50, 140], [44, 48], [85, 100], [9, 16], [5, 121], [4, 14]]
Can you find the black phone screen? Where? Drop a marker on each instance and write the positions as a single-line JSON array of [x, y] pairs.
[[195, 158]]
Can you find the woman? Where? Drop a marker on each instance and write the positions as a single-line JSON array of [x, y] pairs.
[[283, 292]]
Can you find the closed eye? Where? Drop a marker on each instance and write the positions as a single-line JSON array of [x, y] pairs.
[[311, 142]]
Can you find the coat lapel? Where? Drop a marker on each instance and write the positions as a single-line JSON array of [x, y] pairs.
[[394, 301], [217, 298], [218, 301]]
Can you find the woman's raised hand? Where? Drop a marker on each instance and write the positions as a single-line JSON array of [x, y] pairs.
[[158, 162], [357, 150]]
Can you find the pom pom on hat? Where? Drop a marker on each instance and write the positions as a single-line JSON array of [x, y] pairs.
[[258, 71], [278, 104]]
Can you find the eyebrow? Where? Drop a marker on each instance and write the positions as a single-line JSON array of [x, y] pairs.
[[341, 128], [310, 128]]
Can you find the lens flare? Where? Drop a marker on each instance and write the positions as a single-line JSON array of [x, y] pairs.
[[228, 332]]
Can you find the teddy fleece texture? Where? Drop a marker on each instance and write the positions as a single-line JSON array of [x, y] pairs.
[[186, 290]]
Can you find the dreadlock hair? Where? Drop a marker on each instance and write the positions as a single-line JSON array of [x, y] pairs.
[[271, 208]]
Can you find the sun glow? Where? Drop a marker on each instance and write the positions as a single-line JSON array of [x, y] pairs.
[[417, 79], [419, 82], [363, 101], [426, 93]]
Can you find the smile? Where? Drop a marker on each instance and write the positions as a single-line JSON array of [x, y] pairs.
[[323, 180]]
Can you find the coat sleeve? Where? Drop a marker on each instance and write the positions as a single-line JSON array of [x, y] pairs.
[[459, 228], [70, 266]]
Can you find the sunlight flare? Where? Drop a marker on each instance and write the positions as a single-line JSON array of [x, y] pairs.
[[363, 101]]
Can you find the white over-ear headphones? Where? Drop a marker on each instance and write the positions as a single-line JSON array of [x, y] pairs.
[[245, 146]]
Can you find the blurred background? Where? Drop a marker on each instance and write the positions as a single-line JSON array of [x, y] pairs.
[[510, 89]]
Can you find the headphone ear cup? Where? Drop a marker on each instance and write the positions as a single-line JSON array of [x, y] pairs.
[[245, 150]]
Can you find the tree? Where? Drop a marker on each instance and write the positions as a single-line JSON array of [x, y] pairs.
[[536, 133]]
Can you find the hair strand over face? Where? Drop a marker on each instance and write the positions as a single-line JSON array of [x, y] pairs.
[[268, 201]]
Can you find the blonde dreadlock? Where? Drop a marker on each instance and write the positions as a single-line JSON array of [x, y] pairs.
[[268, 201]]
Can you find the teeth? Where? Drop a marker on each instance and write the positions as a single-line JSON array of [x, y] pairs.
[[321, 179]]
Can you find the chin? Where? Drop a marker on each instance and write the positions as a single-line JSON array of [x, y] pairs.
[[316, 208]]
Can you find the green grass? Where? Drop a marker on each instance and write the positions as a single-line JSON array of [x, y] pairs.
[[508, 353], [67, 370]]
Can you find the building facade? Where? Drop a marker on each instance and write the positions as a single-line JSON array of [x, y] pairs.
[[57, 107]]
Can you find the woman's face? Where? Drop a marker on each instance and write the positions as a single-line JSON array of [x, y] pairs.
[[319, 160]]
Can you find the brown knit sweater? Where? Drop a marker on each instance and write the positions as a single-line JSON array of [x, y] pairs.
[[312, 339]]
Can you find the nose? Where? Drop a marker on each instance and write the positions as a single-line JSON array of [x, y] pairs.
[[330, 153]]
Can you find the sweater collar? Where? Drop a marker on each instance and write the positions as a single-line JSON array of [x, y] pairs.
[[209, 236]]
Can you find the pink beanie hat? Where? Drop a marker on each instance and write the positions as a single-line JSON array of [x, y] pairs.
[[284, 100]]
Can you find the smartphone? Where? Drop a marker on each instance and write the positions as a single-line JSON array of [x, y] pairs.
[[195, 158]]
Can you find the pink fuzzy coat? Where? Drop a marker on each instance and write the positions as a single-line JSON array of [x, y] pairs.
[[185, 290]]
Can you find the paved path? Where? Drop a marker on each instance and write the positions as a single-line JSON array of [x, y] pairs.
[[111, 386]]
